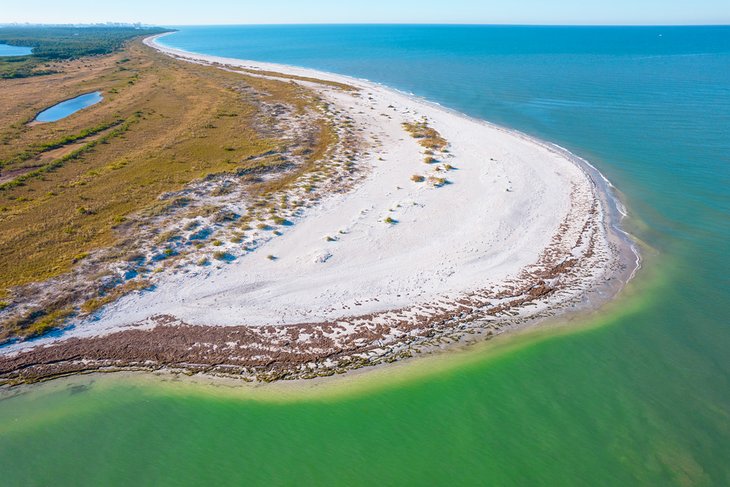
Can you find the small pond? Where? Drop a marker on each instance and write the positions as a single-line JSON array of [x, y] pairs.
[[6, 50], [69, 107]]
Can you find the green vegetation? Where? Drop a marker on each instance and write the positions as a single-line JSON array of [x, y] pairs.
[[334, 84], [437, 182], [85, 184], [37, 149], [60, 43], [220, 255], [95, 304], [428, 137]]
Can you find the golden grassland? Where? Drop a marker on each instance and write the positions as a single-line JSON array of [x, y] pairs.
[[334, 84], [66, 187], [428, 138]]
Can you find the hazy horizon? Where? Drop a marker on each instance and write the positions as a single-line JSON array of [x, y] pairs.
[[112, 23], [317, 12]]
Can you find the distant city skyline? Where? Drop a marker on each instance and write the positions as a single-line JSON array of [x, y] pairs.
[[558, 12]]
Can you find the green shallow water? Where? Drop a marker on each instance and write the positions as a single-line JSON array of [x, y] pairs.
[[596, 406], [638, 394]]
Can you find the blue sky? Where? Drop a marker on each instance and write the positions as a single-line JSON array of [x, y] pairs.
[[177, 12]]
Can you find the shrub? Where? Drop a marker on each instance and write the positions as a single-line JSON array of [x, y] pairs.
[[437, 182], [225, 216], [417, 178], [166, 236], [191, 225]]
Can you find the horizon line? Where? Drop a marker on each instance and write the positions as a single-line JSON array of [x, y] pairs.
[[265, 24]]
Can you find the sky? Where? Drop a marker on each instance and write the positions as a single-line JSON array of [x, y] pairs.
[[198, 12]]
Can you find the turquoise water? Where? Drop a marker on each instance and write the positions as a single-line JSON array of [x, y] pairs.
[[636, 395], [7, 50], [69, 107]]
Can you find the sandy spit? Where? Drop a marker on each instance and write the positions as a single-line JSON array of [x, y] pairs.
[[505, 230]]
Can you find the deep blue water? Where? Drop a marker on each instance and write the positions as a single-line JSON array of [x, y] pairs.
[[69, 107], [6, 50]]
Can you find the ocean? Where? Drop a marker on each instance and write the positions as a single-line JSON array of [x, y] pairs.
[[637, 393]]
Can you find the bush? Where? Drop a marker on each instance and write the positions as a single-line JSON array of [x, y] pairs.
[[437, 182], [417, 178]]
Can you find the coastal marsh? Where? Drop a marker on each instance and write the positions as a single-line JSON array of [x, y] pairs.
[[72, 187]]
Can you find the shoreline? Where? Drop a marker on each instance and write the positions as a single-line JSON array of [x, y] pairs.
[[612, 200], [329, 343], [355, 382]]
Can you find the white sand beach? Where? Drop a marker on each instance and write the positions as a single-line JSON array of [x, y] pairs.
[[502, 229]]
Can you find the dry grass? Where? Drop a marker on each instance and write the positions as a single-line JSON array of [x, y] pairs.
[[306, 79], [437, 182], [67, 188], [428, 137], [169, 110], [95, 304]]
